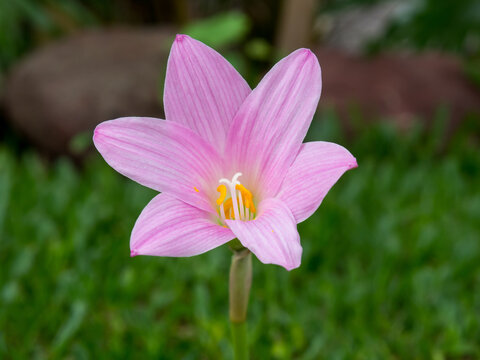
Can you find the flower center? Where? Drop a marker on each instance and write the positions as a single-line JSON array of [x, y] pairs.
[[235, 201]]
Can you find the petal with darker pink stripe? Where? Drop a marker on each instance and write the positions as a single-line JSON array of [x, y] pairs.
[[272, 236], [203, 91], [316, 169], [169, 227], [162, 155], [269, 127]]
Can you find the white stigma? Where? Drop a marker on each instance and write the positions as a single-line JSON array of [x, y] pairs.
[[240, 203], [233, 193]]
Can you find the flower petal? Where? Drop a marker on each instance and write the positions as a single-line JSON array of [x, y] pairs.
[[169, 227], [203, 91], [269, 127], [272, 236], [161, 155], [316, 169]]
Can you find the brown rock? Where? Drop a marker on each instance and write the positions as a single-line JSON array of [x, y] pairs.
[[398, 86], [70, 86]]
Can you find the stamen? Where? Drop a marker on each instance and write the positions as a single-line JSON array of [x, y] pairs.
[[252, 207], [248, 197], [239, 206], [228, 207], [236, 211], [231, 186], [243, 190], [222, 189], [222, 213], [240, 203]]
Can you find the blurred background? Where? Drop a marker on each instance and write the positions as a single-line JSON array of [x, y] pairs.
[[391, 259]]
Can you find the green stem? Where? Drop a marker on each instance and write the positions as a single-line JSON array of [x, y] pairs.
[[240, 343], [240, 283]]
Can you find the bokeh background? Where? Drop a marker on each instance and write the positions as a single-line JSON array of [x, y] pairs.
[[391, 261]]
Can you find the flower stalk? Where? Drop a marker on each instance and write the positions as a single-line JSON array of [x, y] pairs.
[[239, 291]]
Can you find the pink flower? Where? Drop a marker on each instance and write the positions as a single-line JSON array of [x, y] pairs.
[[229, 162]]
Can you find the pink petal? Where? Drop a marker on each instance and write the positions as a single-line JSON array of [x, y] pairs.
[[316, 169], [272, 236], [169, 227], [202, 90], [269, 127], [161, 155]]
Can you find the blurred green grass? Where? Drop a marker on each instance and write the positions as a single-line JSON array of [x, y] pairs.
[[390, 264]]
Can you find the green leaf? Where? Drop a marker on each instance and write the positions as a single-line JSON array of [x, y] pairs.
[[221, 30]]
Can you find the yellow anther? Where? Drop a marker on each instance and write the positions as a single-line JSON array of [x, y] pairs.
[[227, 207], [222, 189], [247, 195], [249, 204], [235, 201], [244, 191], [195, 188], [252, 207]]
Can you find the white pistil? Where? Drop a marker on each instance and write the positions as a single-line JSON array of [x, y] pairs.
[[240, 199], [231, 186]]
